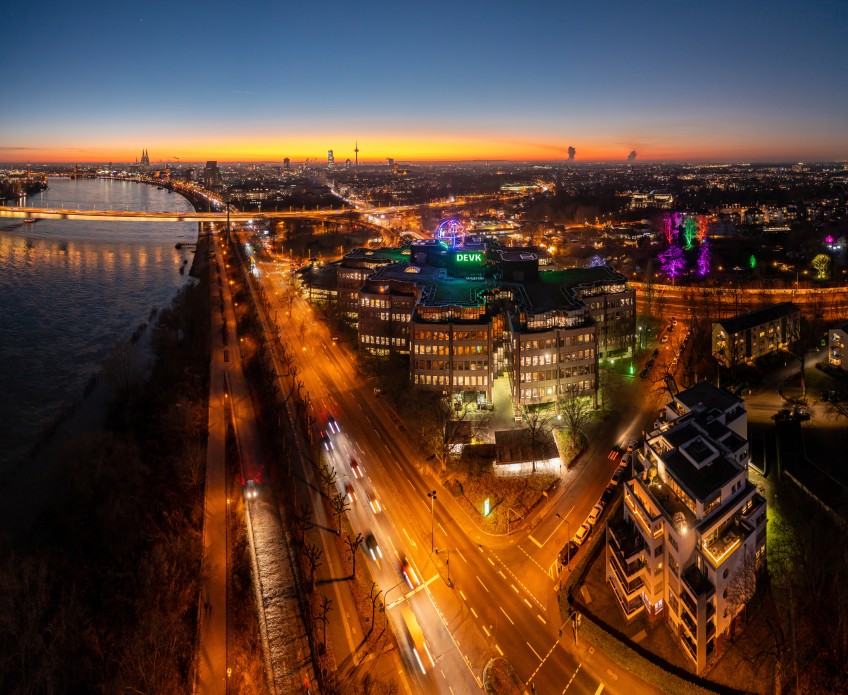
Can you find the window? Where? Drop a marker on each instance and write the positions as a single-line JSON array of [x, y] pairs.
[[658, 550]]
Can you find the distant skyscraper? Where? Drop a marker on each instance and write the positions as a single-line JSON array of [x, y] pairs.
[[391, 162], [211, 174], [330, 159], [286, 164], [347, 164], [356, 152]]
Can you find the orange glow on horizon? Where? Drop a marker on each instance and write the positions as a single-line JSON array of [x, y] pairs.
[[429, 148]]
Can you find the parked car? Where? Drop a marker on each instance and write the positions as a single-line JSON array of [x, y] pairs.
[[650, 363], [568, 552], [608, 495], [664, 339], [582, 534], [656, 353], [594, 515], [617, 476], [644, 373]]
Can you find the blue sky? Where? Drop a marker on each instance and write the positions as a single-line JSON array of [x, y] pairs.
[[498, 80]]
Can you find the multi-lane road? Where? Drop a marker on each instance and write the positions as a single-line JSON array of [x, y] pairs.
[[500, 598]]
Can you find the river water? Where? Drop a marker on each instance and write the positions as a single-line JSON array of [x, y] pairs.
[[70, 290]]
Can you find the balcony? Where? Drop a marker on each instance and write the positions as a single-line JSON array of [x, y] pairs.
[[640, 513], [626, 540], [723, 546], [628, 588], [632, 607], [697, 583]]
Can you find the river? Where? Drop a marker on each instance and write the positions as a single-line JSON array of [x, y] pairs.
[[69, 290]]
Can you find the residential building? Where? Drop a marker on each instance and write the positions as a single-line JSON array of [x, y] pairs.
[[746, 337], [690, 542], [837, 345]]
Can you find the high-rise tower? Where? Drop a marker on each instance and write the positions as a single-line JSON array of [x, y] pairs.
[[356, 152]]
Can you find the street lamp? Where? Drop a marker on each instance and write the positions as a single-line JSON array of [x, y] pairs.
[[575, 619], [568, 542], [432, 496], [447, 562]]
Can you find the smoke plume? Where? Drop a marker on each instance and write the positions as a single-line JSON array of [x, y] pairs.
[[571, 153], [632, 156]]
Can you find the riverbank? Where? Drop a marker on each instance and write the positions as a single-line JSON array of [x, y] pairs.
[[28, 486]]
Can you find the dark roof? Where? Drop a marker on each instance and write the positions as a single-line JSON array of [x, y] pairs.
[[696, 581], [709, 395], [516, 446], [700, 483], [756, 318]]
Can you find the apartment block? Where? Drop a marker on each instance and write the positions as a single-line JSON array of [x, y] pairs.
[[837, 345], [690, 542], [746, 337]]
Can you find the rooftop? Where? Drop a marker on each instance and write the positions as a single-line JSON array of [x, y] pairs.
[[743, 322], [710, 396]]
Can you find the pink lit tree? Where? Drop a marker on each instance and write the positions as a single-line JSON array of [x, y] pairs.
[[672, 262]]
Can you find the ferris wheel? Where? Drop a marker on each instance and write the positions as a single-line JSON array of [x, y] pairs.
[[451, 232]]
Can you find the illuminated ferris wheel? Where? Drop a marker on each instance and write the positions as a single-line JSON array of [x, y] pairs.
[[451, 232]]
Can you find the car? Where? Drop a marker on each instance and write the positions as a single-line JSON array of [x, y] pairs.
[[415, 642], [373, 548], [326, 442], [609, 493], [631, 445], [568, 552], [644, 373], [582, 534], [670, 329], [594, 515], [374, 502], [333, 425], [409, 574], [673, 323], [356, 468], [650, 363], [350, 493], [250, 491], [617, 476], [625, 459], [664, 339], [656, 353]]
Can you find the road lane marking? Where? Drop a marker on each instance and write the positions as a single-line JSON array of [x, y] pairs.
[[503, 576], [463, 595], [473, 612], [500, 651], [535, 541], [538, 656], [442, 528], [486, 631], [409, 538], [600, 689], [481, 583], [507, 615], [514, 588], [491, 561], [529, 605], [544, 622], [462, 556]]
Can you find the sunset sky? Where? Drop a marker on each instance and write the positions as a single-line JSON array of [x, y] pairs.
[[723, 81]]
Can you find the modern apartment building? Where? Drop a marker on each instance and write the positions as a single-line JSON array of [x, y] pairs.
[[746, 337], [691, 539]]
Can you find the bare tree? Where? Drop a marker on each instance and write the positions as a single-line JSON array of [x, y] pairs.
[[328, 477], [313, 555], [340, 505], [323, 611], [353, 545], [743, 584], [576, 412], [304, 522], [540, 425]]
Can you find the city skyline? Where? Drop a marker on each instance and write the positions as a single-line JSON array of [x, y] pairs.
[[702, 84]]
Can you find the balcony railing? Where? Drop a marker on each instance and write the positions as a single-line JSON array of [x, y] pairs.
[[628, 587]]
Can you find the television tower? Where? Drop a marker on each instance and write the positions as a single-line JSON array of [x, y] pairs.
[[356, 152]]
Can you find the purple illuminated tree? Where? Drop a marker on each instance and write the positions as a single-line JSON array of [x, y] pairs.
[[597, 261], [672, 262], [667, 227]]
